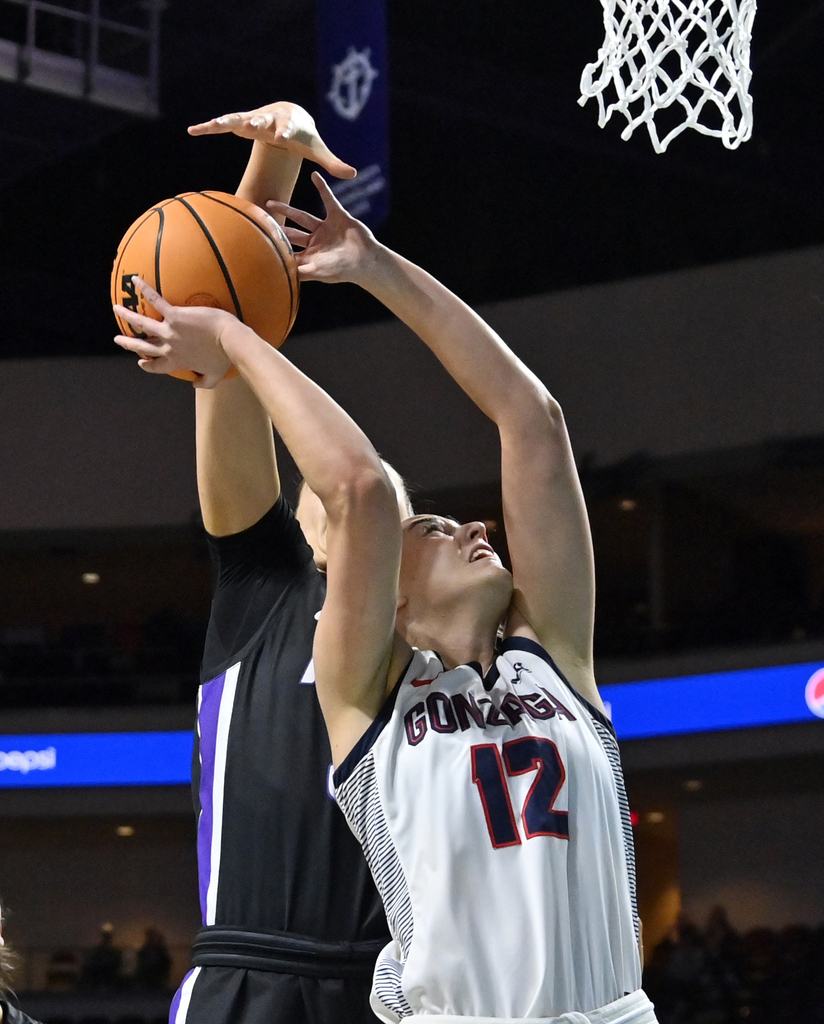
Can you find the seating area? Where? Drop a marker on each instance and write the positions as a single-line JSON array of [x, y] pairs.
[[717, 976]]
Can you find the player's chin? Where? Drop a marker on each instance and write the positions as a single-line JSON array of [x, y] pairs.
[[492, 574]]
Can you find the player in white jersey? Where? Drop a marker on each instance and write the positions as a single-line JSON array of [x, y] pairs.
[[482, 781], [479, 794]]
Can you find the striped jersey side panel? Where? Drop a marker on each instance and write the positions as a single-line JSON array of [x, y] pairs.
[[614, 756], [359, 799]]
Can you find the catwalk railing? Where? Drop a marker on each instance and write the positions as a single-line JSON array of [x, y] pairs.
[[103, 51]]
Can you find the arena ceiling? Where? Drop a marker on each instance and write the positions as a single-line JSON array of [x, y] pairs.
[[502, 185]]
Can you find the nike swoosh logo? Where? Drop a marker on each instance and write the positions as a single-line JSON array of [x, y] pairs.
[[421, 682]]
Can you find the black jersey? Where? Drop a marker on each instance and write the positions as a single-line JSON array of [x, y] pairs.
[[11, 1014], [275, 855]]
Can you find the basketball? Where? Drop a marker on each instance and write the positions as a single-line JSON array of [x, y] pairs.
[[210, 249]]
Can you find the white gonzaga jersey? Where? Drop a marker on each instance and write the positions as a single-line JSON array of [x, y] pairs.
[[493, 816]]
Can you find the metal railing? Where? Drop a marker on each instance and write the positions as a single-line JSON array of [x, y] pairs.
[[103, 51]]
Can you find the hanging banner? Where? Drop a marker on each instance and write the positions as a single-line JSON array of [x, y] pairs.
[[354, 101]]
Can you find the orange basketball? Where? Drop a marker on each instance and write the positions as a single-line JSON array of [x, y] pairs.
[[210, 249]]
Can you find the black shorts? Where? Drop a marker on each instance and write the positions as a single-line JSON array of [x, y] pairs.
[[234, 995]]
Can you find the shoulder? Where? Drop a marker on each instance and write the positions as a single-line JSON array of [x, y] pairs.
[[418, 670], [577, 673], [524, 645], [276, 538]]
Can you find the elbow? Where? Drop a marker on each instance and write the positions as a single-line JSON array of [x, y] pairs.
[[364, 490], [554, 414], [539, 417], [536, 427]]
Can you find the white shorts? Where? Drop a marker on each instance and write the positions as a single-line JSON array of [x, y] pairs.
[[632, 1009]]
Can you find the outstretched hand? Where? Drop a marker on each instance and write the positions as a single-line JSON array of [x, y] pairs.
[[283, 125], [334, 248], [187, 338]]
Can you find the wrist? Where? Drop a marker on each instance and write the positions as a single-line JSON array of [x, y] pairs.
[[234, 338], [370, 263], [275, 157]]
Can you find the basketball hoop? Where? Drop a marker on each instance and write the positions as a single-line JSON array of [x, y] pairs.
[[690, 58]]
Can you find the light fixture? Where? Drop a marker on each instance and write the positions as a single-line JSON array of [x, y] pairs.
[[693, 785], [655, 817], [627, 504], [125, 830], [90, 577]]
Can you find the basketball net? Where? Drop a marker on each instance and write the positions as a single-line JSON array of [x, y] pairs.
[[670, 54]]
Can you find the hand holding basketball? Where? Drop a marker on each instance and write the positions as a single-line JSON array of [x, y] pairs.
[[210, 249], [187, 338], [283, 125], [334, 247]]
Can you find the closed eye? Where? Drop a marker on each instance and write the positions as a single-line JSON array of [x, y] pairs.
[[431, 524]]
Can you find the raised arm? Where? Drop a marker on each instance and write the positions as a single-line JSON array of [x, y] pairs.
[[546, 522], [355, 649], [236, 466]]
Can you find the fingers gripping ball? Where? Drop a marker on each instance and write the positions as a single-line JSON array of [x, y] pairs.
[[210, 249]]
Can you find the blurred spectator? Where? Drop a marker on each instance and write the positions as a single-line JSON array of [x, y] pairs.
[[9, 1014], [153, 962], [686, 972], [721, 942], [63, 971], [720, 977], [102, 969]]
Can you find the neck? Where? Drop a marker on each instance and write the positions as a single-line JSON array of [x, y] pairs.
[[457, 642]]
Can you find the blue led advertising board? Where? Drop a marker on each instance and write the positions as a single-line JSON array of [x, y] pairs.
[[96, 759], [656, 707], [717, 700]]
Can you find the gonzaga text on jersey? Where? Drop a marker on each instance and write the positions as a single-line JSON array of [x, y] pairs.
[[443, 713]]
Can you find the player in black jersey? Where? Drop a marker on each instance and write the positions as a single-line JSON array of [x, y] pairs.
[[291, 919]]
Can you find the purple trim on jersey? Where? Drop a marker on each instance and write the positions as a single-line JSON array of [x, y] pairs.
[[176, 1001], [208, 715]]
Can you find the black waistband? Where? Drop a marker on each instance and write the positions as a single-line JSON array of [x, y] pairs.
[[215, 946]]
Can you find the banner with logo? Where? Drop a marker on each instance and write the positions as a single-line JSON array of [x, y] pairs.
[[742, 699], [354, 101]]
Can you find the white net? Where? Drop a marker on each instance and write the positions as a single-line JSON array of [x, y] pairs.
[[690, 58]]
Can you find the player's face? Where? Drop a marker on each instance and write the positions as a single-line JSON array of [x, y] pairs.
[[443, 560]]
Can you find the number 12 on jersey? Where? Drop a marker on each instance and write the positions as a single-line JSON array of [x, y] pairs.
[[527, 754]]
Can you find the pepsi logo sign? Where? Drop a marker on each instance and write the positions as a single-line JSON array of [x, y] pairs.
[[814, 693]]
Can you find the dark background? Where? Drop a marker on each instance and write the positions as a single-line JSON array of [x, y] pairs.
[[502, 185]]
